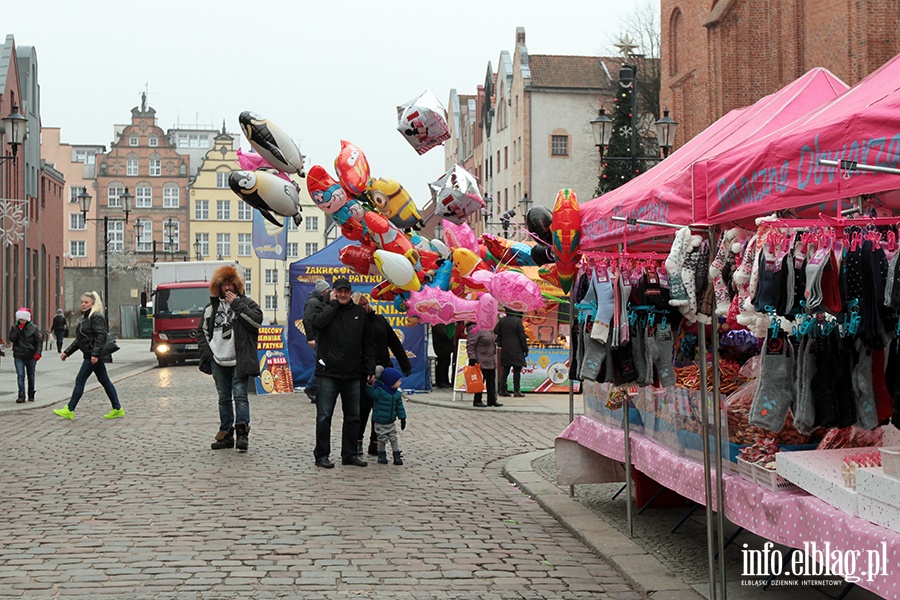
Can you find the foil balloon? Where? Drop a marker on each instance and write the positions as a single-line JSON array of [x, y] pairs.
[[325, 191], [538, 222], [467, 262], [397, 269], [394, 202], [542, 255], [387, 237], [515, 291], [353, 230], [359, 258], [268, 194], [251, 161], [385, 291], [423, 122], [549, 274], [439, 307], [429, 259], [441, 248], [442, 275], [459, 236], [352, 168], [456, 194], [514, 254], [565, 228], [271, 142]]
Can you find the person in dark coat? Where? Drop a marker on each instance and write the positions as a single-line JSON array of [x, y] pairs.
[[384, 343], [345, 354], [60, 329], [314, 304], [481, 348], [90, 337], [513, 349], [442, 342], [230, 331], [26, 341]]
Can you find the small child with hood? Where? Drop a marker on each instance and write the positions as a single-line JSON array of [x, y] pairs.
[[387, 407]]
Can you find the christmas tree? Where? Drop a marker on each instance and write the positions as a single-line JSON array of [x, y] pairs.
[[617, 167]]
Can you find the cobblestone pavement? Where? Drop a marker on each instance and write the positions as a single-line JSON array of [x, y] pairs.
[[141, 507]]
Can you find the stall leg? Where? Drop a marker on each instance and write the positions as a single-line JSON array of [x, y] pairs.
[[621, 489], [650, 501], [845, 591], [731, 538], [686, 516]]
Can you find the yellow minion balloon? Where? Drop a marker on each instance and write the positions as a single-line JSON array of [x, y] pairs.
[[394, 202]]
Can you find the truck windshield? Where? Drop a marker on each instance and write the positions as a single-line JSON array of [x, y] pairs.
[[181, 301]]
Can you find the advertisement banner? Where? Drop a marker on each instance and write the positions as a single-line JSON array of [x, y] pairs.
[[547, 370], [274, 363], [269, 241]]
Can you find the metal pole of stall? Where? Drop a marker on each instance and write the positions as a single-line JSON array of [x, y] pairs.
[[717, 439], [704, 434], [629, 485], [572, 359], [852, 165]]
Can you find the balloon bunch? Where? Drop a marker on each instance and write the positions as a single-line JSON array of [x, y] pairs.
[[423, 122]]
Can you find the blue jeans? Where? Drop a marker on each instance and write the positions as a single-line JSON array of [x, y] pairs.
[[99, 370], [23, 366], [329, 388], [313, 384], [229, 386]]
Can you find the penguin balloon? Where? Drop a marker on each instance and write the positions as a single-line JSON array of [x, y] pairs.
[[268, 193], [272, 143]]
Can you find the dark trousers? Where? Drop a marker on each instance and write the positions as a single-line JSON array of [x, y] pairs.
[[329, 389], [60, 334], [490, 384], [442, 367], [517, 378], [365, 409]]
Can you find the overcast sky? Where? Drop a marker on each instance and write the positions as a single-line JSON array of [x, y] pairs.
[[324, 71]]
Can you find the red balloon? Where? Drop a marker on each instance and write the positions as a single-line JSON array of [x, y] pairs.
[[352, 168], [353, 230], [359, 258]]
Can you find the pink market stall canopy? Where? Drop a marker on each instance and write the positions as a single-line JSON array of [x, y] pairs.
[[665, 192], [781, 170]]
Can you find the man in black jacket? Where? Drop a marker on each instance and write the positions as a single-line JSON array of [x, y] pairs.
[[230, 330], [344, 354]]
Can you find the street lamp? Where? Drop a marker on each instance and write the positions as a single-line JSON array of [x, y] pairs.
[[198, 248], [84, 203], [439, 232], [505, 218], [169, 226], [603, 126], [525, 204], [15, 126], [488, 210]]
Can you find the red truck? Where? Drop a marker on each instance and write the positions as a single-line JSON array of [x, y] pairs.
[[180, 292]]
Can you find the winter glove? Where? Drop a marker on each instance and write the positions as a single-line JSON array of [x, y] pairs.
[[21, 326], [37, 357], [471, 362], [402, 424]]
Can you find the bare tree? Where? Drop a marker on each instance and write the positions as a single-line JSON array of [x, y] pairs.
[[643, 27]]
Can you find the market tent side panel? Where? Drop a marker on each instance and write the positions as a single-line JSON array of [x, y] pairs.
[[326, 265], [781, 170]]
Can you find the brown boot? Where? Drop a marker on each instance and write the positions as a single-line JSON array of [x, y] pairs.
[[224, 439]]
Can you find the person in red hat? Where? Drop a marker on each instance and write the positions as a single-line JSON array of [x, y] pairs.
[[26, 341]]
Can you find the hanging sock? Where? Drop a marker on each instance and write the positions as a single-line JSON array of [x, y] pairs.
[[863, 393], [804, 408], [643, 370], [815, 266], [883, 403], [774, 395], [606, 307], [662, 346]]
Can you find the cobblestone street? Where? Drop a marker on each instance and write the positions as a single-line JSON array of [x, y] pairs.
[[141, 507]]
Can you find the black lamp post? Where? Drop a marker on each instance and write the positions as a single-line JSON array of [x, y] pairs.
[[198, 249], [439, 232], [505, 219], [525, 204], [84, 203], [15, 126], [169, 226], [488, 211], [602, 126]]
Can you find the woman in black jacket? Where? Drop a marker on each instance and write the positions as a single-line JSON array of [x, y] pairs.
[[90, 337], [60, 329]]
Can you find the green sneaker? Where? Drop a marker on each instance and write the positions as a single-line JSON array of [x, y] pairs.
[[115, 413], [65, 413]]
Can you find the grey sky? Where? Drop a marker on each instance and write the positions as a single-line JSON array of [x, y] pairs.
[[323, 71]]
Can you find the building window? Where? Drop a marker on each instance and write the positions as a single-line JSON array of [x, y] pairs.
[[245, 211], [131, 167], [201, 210], [143, 196], [112, 195], [144, 243], [155, 167], [505, 157], [203, 238], [171, 196], [175, 244], [311, 248], [154, 141], [271, 302], [312, 223], [291, 226], [222, 179], [293, 250], [77, 248], [245, 244], [133, 140], [248, 281], [223, 245], [559, 145], [73, 193], [77, 221], [223, 210], [271, 276], [115, 232]]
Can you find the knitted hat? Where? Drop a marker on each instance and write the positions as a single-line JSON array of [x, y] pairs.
[[390, 376], [321, 285], [23, 314]]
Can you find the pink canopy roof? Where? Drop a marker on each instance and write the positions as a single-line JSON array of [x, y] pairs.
[[781, 170], [665, 192]]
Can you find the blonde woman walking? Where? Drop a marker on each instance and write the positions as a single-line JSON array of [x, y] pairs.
[[90, 338]]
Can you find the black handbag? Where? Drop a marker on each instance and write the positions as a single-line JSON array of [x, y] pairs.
[[110, 347]]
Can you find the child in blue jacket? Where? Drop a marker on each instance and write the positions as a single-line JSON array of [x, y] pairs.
[[387, 407]]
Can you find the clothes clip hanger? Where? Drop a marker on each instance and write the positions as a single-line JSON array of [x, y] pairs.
[[775, 320]]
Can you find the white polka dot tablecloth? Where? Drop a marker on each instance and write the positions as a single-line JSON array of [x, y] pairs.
[[787, 517]]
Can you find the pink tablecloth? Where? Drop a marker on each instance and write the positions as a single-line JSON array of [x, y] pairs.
[[789, 517]]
